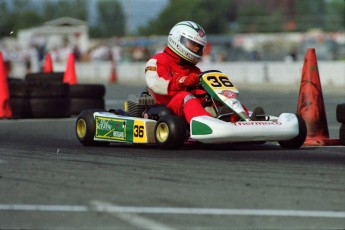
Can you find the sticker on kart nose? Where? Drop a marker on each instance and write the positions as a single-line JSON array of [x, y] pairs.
[[228, 94], [218, 81], [110, 128]]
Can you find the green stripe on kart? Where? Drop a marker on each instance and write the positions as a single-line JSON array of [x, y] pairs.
[[199, 128]]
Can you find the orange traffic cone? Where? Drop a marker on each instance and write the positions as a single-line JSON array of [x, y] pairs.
[[311, 105], [48, 64], [113, 74], [70, 76], [5, 108]]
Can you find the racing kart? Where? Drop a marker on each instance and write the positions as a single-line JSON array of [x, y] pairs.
[[144, 122]]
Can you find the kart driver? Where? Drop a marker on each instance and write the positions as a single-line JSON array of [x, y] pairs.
[[170, 73]]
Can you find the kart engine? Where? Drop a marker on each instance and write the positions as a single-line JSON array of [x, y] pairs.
[[135, 105]]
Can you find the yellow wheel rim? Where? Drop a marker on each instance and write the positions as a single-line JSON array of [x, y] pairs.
[[162, 132], [81, 128]]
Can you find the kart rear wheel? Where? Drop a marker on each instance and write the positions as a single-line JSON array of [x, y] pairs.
[[297, 141], [170, 132], [86, 128]]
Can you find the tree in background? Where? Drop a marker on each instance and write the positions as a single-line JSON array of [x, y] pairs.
[[217, 17], [111, 20], [73, 8], [254, 16], [213, 16], [310, 14], [336, 20], [22, 14]]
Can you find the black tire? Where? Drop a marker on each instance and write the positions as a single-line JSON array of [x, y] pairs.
[[41, 76], [297, 141], [47, 89], [49, 108], [87, 91], [77, 105], [340, 112], [17, 89], [342, 134], [86, 128], [20, 107], [170, 132]]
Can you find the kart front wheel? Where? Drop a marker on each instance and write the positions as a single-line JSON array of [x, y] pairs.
[[170, 132], [297, 141], [86, 128]]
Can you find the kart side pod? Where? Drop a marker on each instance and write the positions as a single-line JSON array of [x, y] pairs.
[[210, 130]]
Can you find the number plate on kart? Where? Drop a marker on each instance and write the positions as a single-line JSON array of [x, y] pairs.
[[218, 81]]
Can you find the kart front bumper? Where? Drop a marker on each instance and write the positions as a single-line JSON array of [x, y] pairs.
[[211, 130]]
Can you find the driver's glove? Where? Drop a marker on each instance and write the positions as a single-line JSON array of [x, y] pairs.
[[189, 81]]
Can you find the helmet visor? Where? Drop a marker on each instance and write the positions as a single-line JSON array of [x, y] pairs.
[[193, 46]]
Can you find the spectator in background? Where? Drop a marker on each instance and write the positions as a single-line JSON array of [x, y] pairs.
[[101, 53], [116, 51], [255, 56], [77, 53], [65, 51], [292, 55]]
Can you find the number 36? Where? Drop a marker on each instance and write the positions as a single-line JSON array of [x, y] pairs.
[[220, 81], [139, 131]]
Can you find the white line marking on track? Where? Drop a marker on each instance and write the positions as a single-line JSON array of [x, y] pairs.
[[171, 210], [48, 208], [131, 218]]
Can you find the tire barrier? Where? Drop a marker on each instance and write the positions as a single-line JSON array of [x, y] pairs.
[[53, 76], [340, 113], [39, 99], [86, 96], [44, 95], [87, 91]]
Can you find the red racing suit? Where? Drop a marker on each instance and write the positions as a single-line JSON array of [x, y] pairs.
[[162, 74]]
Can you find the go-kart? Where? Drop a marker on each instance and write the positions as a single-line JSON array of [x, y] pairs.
[[144, 122]]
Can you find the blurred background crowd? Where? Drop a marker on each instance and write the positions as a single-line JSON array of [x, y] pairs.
[[134, 30]]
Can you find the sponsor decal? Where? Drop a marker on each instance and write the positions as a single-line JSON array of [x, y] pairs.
[[181, 50], [228, 94], [110, 128], [254, 123], [150, 68], [201, 42], [119, 134], [103, 125], [234, 104], [201, 33]]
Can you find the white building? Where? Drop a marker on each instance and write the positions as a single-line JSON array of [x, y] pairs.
[[60, 33]]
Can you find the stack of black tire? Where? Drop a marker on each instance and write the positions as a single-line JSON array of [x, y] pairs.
[[86, 96], [341, 118], [44, 95]]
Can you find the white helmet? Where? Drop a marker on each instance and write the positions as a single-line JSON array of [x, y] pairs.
[[187, 32]]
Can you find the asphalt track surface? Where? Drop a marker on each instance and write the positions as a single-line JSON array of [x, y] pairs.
[[48, 180]]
